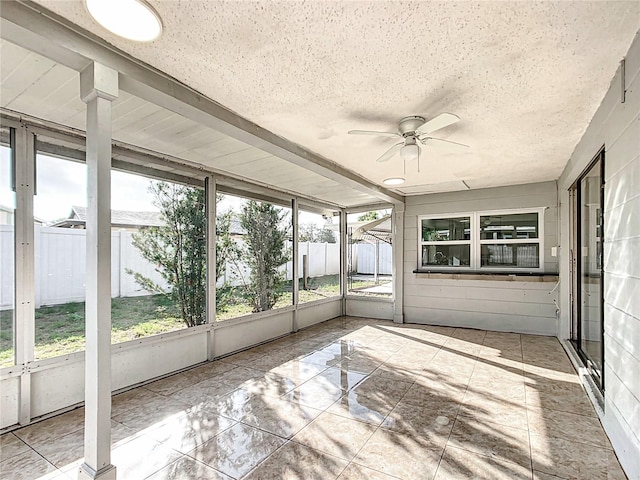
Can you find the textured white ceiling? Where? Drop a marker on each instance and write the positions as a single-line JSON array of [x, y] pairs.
[[525, 77]]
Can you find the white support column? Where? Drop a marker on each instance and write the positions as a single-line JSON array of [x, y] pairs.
[[98, 88], [398, 262], [210, 192], [343, 259], [24, 306], [296, 264]]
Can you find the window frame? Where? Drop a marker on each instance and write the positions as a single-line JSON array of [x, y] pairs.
[[421, 243], [476, 243]]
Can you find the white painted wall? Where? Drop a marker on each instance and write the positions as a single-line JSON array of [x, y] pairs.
[[615, 125], [514, 304]]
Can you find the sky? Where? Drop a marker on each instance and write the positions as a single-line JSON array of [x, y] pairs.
[[62, 184]]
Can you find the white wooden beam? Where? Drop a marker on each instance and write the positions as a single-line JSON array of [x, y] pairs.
[[98, 88], [397, 231], [344, 245], [210, 190], [24, 288], [295, 265]]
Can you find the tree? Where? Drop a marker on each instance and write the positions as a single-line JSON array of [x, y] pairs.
[[264, 251], [179, 249], [369, 216], [313, 233]]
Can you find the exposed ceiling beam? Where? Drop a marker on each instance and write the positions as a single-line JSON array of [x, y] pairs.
[[37, 29]]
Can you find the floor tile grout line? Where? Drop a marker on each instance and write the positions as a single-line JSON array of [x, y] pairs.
[[435, 473], [526, 404]]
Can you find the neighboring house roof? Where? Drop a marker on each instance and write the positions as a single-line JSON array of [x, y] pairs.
[[119, 218]]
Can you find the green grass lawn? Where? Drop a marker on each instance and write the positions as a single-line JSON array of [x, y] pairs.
[[60, 328]]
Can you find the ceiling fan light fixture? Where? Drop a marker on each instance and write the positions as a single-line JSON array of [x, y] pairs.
[[394, 181], [131, 19], [410, 152]]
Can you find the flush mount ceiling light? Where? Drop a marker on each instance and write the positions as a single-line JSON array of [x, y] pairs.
[[410, 151], [393, 181], [130, 19]]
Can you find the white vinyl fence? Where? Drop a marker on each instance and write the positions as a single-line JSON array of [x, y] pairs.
[[364, 260], [60, 265]]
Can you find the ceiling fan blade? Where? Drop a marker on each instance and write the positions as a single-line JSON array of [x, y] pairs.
[[369, 132], [391, 152], [441, 121], [445, 144]]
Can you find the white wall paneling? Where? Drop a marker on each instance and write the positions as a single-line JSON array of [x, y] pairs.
[[370, 307], [505, 303], [616, 125]]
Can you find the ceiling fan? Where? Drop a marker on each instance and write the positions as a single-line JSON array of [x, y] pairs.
[[413, 130]]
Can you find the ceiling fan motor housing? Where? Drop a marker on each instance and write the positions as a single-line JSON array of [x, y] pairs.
[[408, 125]]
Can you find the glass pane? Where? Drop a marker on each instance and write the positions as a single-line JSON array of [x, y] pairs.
[[60, 261], [370, 254], [158, 257], [253, 257], [591, 268], [446, 255], [502, 227], [7, 241], [319, 256], [444, 229], [512, 255]]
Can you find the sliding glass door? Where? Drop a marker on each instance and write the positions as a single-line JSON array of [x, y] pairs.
[[588, 275]]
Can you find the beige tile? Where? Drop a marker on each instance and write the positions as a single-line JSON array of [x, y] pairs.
[[68, 450], [335, 435], [27, 466], [298, 371], [492, 440], [151, 415], [356, 406], [424, 393], [48, 430], [400, 455], [237, 450], [298, 462], [140, 457], [567, 459], [10, 446], [494, 410], [385, 389], [314, 393], [185, 432], [134, 399], [186, 468], [334, 377], [578, 428], [434, 422], [268, 361], [271, 384], [174, 383], [359, 362], [280, 417], [458, 464], [565, 397], [358, 472], [545, 476]]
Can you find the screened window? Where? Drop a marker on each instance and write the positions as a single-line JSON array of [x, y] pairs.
[[509, 240], [445, 242]]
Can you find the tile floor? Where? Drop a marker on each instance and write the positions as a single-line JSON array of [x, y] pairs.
[[347, 399]]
